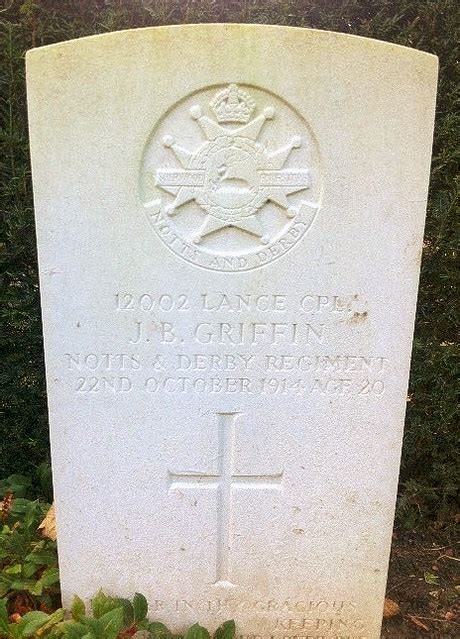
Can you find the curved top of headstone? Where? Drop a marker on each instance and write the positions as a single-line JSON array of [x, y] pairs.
[[218, 29]]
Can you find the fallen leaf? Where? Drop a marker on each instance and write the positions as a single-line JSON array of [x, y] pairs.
[[418, 623], [48, 525], [45, 608], [449, 616], [390, 609], [130, 632], [20, 603], [5, 506], [430, 578]]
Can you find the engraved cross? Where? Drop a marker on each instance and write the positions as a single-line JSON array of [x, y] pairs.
[[225, 481]]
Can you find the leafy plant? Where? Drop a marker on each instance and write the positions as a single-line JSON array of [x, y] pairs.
[[29, 575], [32, 624], [38, 485], [112, 618]]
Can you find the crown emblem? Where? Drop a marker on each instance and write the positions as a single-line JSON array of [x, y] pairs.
[[233, 105], [232, 174]]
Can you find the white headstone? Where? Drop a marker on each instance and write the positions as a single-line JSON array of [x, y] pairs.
[[230, 223]]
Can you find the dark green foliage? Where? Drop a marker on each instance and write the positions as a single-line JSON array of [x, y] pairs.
[[28, 562], [429, 462], [225, 631], [108, 621], [23, 441], [197, 632], [30, 487]]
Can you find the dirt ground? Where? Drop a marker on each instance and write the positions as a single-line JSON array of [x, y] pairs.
[[424, 580]]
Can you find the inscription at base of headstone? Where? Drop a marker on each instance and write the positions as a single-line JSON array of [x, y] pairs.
[[230, 222]]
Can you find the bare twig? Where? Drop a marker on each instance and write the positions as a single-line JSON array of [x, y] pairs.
[[7, 8], [434, 619], [447, 557], [417, 622]]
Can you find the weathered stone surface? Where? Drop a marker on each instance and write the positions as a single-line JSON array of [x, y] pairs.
[[229, 223]]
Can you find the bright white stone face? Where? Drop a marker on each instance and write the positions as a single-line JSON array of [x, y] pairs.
[[230, 223]]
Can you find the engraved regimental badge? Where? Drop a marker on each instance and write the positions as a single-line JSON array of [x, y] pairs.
[[230, 178]]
